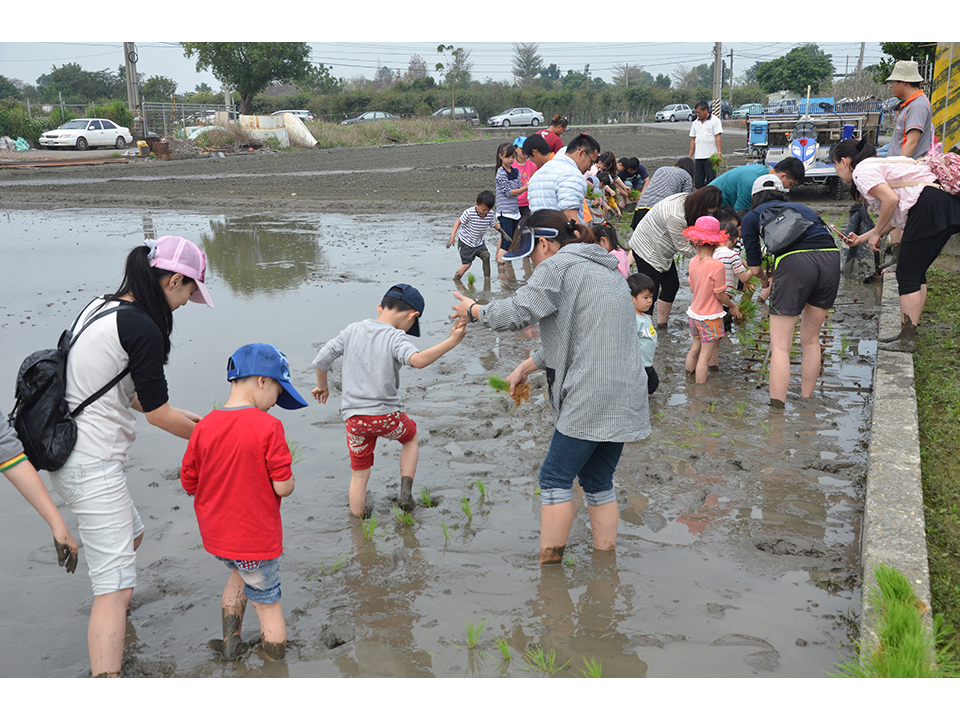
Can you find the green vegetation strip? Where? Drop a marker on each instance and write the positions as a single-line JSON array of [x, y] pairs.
[[937, 369]]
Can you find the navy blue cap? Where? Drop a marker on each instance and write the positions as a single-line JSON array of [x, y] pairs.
[[413, 298], [260, 359]]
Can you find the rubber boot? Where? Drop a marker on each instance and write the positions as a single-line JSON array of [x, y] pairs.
[[905, 342]]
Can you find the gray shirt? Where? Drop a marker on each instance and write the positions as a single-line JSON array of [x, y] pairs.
[[373, 352], [915, 116], [590, 346], [10, 446], [665, 181]]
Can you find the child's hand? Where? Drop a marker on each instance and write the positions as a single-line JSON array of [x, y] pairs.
[[459, 330], [450, 243], [321, 394], [735, 311]]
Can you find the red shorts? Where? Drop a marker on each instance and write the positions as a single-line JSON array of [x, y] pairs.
[[363, 431]]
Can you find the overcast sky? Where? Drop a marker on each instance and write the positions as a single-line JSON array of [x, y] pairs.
[[352, 46]]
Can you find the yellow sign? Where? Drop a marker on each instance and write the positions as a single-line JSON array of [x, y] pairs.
[[945, 97]]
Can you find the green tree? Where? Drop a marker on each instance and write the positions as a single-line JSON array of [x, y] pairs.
[[803, 65], [416, 69], [158, 89], [551, 72], [901, 51], [627, 75], [78, 85], [319, 80], [456, 68], [248, 67], [662, 81], [8, 89], [527, 63]]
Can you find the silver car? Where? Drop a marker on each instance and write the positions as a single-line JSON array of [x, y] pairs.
[[516, 116], [84, 133], [674, 113]]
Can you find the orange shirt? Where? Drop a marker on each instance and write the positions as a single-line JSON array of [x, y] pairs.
[[707, 278]]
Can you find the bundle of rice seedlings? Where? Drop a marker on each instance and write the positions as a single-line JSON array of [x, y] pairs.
[[520, 394]]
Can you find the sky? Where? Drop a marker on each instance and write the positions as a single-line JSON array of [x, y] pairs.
[[352, 46]]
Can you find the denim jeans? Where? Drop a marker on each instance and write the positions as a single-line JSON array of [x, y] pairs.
[[591, 461]]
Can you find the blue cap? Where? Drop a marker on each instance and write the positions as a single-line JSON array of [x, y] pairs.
[[519, 141], [260, 359], [413, 298]]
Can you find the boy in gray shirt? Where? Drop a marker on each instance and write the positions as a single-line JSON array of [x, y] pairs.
[[373, 351]]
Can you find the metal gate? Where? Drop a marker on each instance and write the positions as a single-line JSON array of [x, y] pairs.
[[165, 118]]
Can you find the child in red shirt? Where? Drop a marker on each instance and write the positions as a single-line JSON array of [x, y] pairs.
[[238, 466], [707, 278]]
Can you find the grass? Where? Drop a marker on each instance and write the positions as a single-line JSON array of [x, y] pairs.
[[937, 372], [389, 132], [903, 641], [473, 633]]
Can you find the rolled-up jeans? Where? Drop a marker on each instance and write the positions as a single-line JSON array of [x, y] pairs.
[[592, 462], [96, 491]]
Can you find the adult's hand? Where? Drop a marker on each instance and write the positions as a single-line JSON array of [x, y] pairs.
[[67, 549], [461, 310]]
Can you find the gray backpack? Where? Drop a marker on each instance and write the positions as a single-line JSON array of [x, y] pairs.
[[781, 227]]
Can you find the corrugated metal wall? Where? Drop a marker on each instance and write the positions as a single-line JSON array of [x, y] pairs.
[[945, 95]]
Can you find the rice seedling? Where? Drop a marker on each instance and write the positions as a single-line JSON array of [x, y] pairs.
[[569, 559], [473, 633], [498, 383], [521, 392], [480, 486], [740, 407], [465, 506], [504, 648], [592, 668], [844, 344], [697, 428], [402, 515], [446, 531], [471, 278], [543, 662], [369, 527], [425, 498], [296, 452]]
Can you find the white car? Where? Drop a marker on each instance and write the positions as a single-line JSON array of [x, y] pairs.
[[516, 116], [302, 114], [84, 133], [673, 113]]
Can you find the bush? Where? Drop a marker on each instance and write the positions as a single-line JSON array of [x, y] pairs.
[[15, 122], [117, 112]]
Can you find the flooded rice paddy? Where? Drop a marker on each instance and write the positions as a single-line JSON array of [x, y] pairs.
[[738, 550]]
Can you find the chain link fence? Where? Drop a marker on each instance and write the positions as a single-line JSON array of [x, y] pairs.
[[165, 119]]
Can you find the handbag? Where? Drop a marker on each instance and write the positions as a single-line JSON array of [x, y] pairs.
[[781, 227]]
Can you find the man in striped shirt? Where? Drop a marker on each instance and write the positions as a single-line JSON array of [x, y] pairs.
[[560, 184]]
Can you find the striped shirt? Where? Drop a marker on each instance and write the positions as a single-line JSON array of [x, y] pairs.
[[508, 205], [558, 185], [472, 226], [666, 181], [590, 347], [659, 235]]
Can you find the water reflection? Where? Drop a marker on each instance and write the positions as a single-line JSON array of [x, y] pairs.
[[258, 256]]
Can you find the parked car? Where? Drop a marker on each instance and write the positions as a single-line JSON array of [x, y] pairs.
[[465, 113], [747, 109], [726, 109], [516, 116], [84, 133], [787, 106], [369, 116], [302, 114], [673, 113]]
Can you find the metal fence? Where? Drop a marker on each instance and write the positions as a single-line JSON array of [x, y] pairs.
[[165, 119]]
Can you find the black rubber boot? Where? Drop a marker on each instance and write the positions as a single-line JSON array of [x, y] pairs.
[[905, 342]]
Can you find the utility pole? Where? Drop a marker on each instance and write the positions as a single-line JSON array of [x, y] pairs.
[[130, 64], [717, 77], [860, 61], [731, 77]]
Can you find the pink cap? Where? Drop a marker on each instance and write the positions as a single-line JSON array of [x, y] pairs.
[[179, 255]]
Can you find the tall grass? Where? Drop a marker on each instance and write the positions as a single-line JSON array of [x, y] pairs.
[[389, 132]]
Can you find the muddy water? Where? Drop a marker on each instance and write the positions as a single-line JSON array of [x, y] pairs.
[[739, 534]]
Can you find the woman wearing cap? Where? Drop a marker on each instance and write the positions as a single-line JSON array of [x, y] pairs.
[[805, 281], [659, 237], [906, 196], [159, 277], [591, 355]]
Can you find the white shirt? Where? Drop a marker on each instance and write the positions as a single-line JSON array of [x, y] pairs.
[[705, 133]]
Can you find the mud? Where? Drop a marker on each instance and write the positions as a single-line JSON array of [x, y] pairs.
[[738, 550]]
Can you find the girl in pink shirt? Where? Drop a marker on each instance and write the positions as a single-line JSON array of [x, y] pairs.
[[707, 278], [607, 239]]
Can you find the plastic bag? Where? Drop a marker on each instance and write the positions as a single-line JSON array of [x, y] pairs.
[[22, 145]]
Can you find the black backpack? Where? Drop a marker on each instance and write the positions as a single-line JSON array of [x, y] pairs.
[[44, 422]]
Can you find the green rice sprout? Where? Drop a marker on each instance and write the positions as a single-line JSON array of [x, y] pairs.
[[498, 383], [844, 344], [741, 406], [465, 506], [569, 559], [504, 648], [446, 531], [369, 527], [339, 562], [296, 452], [592, 668], [402, 515], [473, 633], [425, 498], [471, 278], [480, 486], [543, 662]]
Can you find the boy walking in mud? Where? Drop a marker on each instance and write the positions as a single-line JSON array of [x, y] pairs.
[[238, 467], [373, 351], [468, 233]]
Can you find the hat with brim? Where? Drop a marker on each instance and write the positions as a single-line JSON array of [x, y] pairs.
[[412, 297], [263, 360], [179, 255], [519, 141], [767, 182], [906, 71], [522, 246], [706, 231]]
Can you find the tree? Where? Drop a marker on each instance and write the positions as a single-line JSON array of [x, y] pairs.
[[551, 72], [456, 69], [202, 88], [319, 80], [248, 67], [662, 81], [626, 74], [158, 89], [383, 78], [803, 65], [8, 89], [416, 69], [527, 63], [901, 51], [79, 85]]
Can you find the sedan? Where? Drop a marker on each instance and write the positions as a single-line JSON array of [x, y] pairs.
[[516, 116], [368, 116], [673, 113], [748, 109], [302, 114], [84, 133]]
